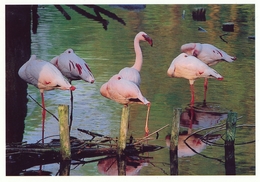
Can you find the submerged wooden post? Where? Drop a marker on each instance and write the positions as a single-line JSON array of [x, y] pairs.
[[122, 141], [230, 165], [174, 142], [64, 140]]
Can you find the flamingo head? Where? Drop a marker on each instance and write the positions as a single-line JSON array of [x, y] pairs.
[[69, 51], [191, 49], [195, 53], [148, 39]]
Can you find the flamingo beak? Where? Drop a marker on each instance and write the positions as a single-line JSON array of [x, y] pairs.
[[234, 58], [148, 39]]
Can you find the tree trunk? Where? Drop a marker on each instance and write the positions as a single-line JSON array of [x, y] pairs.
[[18, 50]]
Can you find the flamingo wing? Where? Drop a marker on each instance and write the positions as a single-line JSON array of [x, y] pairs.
[[122, 91], [73, 67], [212, 53], [131, 74], [191, 68], [207, 53], [43, 75]]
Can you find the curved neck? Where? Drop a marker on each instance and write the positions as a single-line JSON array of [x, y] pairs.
[[138, 55]]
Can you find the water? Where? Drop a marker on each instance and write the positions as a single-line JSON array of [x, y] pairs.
[[108, 51]]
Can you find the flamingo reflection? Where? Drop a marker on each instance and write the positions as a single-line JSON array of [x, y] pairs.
[[200, 115], [196, 141], [108, 166], [203, 115]]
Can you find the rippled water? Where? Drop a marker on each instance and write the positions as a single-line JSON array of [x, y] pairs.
[[108, 51]]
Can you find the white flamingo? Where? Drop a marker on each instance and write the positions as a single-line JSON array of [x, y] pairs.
[[44, 76], [191, 68], [208, 54], [73, 68]]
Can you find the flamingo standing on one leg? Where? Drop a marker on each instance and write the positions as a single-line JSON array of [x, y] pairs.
[[73, 68], [125, 92], [44, 76], [208, 54], [191, 68], [133, 73]]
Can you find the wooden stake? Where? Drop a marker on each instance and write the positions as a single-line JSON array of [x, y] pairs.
[[122, 141], [230, 165], [174, 142], [64, 140]]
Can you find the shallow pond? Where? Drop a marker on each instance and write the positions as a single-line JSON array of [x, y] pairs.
[[108, 51]]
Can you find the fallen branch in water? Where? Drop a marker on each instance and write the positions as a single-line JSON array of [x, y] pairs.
[[23, 156]]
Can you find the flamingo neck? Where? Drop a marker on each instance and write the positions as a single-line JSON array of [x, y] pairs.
[[138, 55]]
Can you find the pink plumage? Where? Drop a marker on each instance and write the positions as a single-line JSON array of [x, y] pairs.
[[124, 92], [191, 68], [124, 87]]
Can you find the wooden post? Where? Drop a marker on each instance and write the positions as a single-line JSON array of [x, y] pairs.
[[230, 165], [122, 141], [228, 27], [64, 140], [174, 142]]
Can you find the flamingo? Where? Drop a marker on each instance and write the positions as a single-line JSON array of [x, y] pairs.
[[73, 68], [208, 54], [133, 73], [191, 68], [125, 92], [44, 76]]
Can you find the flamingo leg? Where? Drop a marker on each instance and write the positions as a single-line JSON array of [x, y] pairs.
[[192, 94], [147, 119], [71, 110], [43, 116], [205, 89]]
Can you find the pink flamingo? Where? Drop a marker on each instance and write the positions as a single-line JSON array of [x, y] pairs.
[[133, 73], [191, 68], [44, 76], [208, 54], [73, 68], [125, 92]]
